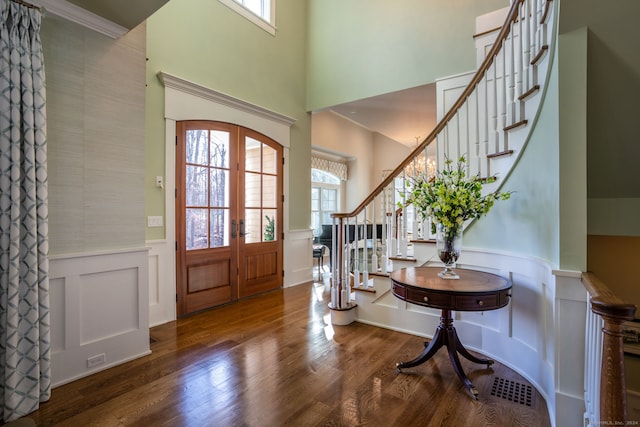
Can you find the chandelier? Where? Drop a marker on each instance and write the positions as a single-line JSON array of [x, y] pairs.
[[421, 165]]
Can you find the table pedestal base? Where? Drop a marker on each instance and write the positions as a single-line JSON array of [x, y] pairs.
[[446, 335]]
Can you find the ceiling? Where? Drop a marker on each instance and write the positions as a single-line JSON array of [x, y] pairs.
[[402, 116], [113, 18], [126, 13]]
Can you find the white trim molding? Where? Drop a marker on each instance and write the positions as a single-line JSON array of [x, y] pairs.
[[190, 88], [185, 100]]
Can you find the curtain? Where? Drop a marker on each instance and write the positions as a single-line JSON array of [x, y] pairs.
[[24, 282]]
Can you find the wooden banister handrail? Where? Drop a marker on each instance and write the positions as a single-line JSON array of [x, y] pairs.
[[614, 312], [484, 67], [604, 301]]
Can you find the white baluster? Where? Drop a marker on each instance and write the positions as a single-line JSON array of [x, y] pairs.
[[335, 257], [494, 110], [519, 84], [503, 97], [476, 150], [512, 95], [403, 234], [527, 46], [374, 234], [346, 292], [532, 40], [484, 111], [356, 255], [464, 133], [385, 231]]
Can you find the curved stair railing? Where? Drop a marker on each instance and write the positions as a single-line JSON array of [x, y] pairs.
[[605, 390], [488, 124], [500, 101]]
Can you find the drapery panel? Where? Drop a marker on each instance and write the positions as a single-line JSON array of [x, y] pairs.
[[25, 349]]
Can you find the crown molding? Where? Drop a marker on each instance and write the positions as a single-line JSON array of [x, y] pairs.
[[81, 16], [221, 98]]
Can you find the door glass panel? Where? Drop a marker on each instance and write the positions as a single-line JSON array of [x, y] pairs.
[[269, 160], [219, 149], [252, 190], [252, 226], [196, 186], [269, 231], [218, 228], [252, 155], [197, 141], [207, 186], [269, 191], [219, 188], [196, 225]]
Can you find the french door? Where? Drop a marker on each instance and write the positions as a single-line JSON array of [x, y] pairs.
[[228, 214]]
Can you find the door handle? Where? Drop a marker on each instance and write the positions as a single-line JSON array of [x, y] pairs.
[[242, 233], [234, 227]]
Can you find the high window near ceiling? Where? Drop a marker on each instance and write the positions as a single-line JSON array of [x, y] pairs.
[[260, 12]]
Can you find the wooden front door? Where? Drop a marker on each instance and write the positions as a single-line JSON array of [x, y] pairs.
[[228, 214]]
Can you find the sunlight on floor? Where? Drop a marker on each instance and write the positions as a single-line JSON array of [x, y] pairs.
[[328, 330]]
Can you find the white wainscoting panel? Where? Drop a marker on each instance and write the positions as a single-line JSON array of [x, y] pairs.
[[539, 334], [162, 282], [99, 311], [298, 257]]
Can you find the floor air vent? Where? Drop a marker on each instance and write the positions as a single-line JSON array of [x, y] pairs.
[[512, 391]]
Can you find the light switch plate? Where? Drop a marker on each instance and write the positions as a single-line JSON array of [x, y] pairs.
[[154, 221]]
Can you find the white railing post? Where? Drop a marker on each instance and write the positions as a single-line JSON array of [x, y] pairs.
[[592, 368]]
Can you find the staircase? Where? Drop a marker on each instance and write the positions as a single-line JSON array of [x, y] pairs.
[[489, 123], [541, 333]]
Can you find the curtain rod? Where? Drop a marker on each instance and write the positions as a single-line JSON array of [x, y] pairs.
[[24, 3]]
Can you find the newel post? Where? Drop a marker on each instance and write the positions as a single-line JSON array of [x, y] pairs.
[[342, 309], [613, 391]]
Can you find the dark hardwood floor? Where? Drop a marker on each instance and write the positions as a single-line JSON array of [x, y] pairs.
[[276, 360]]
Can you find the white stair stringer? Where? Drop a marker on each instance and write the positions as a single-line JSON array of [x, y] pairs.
[[528, 109]]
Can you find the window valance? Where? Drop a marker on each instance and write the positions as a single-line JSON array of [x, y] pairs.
[[336, 168]]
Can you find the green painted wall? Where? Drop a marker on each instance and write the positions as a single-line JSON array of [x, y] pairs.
[[614, 106], [528, 222], [572, 65], [362, 48], [209, 44]]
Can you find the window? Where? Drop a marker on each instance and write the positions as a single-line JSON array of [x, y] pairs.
[[325, 197], [260, 12]]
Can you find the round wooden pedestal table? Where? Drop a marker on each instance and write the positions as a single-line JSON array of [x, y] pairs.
[[473, 291]]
